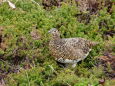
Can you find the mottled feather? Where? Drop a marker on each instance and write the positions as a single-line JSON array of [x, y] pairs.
[[69, 50]]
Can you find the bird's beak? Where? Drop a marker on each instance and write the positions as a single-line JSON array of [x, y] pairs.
[[49, 31]]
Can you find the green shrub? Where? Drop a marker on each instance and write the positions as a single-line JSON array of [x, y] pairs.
[[23, 49]]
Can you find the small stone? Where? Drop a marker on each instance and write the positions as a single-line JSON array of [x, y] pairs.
[[102, 82], [35, 35]]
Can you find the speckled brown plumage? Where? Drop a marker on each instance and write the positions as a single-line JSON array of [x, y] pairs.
[[66, 49]]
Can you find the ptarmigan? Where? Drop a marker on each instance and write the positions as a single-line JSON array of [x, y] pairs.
[[69, 50]]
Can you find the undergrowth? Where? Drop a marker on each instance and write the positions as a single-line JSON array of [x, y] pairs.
[[24, 43]]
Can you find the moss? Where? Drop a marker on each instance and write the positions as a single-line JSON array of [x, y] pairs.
[[23, 49]]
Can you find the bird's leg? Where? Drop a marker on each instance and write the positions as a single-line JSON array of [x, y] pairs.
[[63, 65], [74, 65], [66, 65]]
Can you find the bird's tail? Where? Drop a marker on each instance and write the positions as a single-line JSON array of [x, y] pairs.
[[94, 43]]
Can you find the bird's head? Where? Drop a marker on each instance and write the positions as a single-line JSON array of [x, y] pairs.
[[54, 32]]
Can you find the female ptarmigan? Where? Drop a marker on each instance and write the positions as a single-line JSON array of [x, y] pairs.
[[69, 50]]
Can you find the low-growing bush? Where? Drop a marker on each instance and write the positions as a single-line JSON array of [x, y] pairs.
[[24, 43]]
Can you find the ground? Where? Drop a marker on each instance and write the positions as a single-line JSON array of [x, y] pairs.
[[24, 55]]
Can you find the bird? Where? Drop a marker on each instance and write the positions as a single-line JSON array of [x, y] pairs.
[[69, 50]]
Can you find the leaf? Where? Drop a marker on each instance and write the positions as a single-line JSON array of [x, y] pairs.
[[11, 5]]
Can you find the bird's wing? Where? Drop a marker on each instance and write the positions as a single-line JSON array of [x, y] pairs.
[[75, 42], [78, 43]]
